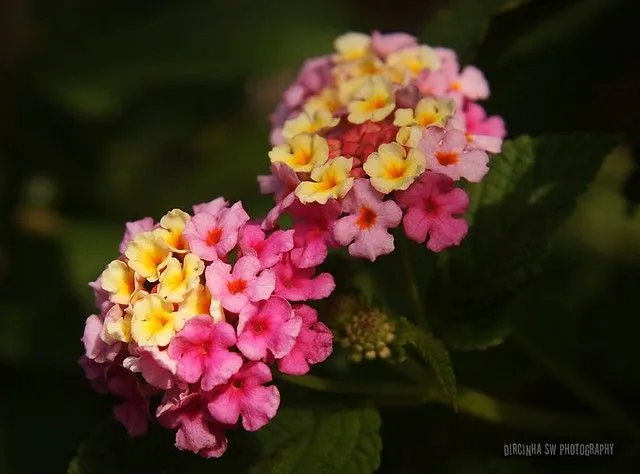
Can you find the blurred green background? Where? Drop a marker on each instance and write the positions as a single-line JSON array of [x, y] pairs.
[[111, 111]]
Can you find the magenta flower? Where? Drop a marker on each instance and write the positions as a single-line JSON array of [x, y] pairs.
[[197, 431], [155, 366], [235, 289], [313, 232], [211, 207], [446, 154], [268, 250], [313, 345], [432, 201], [132, 229], [245, 395], [299, 284], [202, 351], [385, 44], [367, 223], [270, 327], [213, 236]]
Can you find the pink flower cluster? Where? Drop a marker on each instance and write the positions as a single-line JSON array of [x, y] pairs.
[[377, 134], [194, 315]]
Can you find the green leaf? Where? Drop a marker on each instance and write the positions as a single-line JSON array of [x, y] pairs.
[[342, 441], [475, 335], [532, 187], [462, 24], [336, 439], [434, 351]]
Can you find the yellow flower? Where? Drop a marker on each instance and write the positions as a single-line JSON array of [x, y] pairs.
[[376, 101], [348, 87], [351, 46], [171, 227], [302, 153], [429, 111], [308, 122], [390, 168], [178, 279], [120, 281], [199, 301], [409, 136], [118, 326], [414, 60], [147, 254], [326, 100], [154, 322], [332, 180]]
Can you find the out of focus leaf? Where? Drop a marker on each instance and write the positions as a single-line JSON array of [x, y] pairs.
[[434, 351], [531, 189], [461, 24], [118, 51], [89, 246], [476, 335]]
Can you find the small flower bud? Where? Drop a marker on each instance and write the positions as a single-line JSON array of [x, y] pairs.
[[366, 334]]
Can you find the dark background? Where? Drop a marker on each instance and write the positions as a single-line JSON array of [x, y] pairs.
[[111, 111]]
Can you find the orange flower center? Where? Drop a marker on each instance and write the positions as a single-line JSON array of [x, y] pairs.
[[367, 218], [446, 158], [213, 237], [236, 286]]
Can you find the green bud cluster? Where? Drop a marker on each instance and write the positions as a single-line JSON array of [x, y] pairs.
[[367, 334]]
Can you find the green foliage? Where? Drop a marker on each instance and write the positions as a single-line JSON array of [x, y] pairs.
[[435, 352], [336, 439], [474, 335], [302, 441], [531, 189], [461, 24]]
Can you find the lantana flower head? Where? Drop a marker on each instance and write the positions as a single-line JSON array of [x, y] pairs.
[[195, 314], [385, 111]]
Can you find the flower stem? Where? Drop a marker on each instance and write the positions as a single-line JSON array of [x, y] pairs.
[[609, 410], [470, 402], [414, 292]]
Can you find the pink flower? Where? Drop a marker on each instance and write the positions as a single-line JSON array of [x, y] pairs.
[[153, 364], [269, 327], [432, 82], [213, 236], [383, 45], [245, 395], [282, 183], [299, 284], [314, 76], [95, 347], [313, 232], [367, 223], [235, 289], [133, 413], [95, 373], [479, 124], [101, 296], [197, 431], [132, 229], [252, 242], [201, 349], [211, 207], [432, 201], [446, 154], [313, 345], [471, 84]]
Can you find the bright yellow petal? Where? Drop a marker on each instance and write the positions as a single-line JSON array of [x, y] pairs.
[[147, 255], [120, 281], [352, 45], [153, 322]]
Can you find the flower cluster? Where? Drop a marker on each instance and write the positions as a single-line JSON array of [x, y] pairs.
[[193, 315], [377, 134]]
